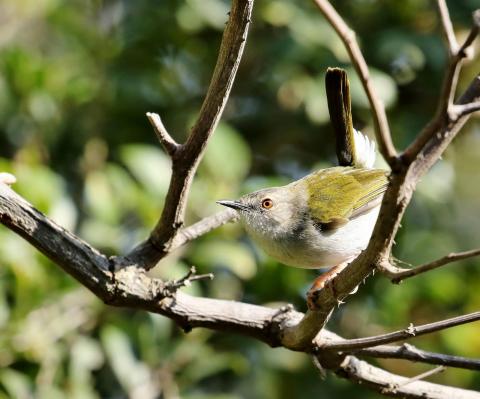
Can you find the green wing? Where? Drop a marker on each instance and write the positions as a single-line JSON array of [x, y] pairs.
[[338, 194]]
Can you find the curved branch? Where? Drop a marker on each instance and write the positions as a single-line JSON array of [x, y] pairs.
[[397, 274], [186, 157], [382, 129]]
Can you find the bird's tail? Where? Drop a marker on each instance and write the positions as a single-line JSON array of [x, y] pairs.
[[353, 147], [364, 150]]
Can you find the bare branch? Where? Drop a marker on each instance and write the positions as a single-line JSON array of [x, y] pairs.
[[130, 287], [395, 387], [449, 86], [382, 129], [397, 274], [409, 332], [171, 287], [447, 27], [202, 227], [187, 156], [409, 352], [458, 111], [168, 143], [363, 373]]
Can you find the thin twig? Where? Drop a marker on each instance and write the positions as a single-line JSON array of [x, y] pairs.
[[394, 387], [168, 143], [410, 352], [382, 129], [409, 332], [449, 86], [460, 110], [447, 27], [202, 227], [170, 287], [397, 274]]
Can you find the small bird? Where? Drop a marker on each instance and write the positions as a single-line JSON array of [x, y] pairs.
[[326, 218], [321, 220]]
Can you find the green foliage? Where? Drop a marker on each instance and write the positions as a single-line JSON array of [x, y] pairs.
[[76, 78]]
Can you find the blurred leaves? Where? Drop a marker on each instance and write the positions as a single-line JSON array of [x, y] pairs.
[[76, 79]]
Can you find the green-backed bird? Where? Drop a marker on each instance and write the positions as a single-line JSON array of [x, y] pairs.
[[326, 218]]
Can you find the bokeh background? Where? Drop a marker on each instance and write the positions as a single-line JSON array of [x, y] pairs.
[[76, 79]]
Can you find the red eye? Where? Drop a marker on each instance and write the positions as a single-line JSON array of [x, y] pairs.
[[267, 203]]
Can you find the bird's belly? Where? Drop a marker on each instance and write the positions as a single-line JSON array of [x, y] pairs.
[[314, 249]]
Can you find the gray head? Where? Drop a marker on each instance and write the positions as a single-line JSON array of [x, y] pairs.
[[269, 213]]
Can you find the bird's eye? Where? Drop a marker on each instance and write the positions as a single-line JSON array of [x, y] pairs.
[[267, 203]]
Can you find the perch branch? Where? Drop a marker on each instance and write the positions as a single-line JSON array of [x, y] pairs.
[[131, 287], [382, 129], [409, 352], [397, 274]]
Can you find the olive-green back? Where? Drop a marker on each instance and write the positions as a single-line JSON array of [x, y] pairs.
[[341, 193]]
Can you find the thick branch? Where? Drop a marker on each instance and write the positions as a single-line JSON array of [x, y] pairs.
[[130, 287], [409, 352], [397, 274], [382, 129], [186, 157]]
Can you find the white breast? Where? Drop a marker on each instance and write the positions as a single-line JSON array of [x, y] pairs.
[[314, 249]]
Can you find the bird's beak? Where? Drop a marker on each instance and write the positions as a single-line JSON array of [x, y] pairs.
[[238, 206]]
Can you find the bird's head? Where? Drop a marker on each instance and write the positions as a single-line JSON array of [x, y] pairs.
[[268, 213]]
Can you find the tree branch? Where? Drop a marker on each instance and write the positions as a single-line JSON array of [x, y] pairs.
[[363, 373], [447, 28], [130, 287], [397, 274], [409, 332], [202, 227], [168, 143], [186, 157], [382, 129], [449, 86], [409, 352]]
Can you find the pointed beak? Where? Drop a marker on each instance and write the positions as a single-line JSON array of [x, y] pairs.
[[238, 206]]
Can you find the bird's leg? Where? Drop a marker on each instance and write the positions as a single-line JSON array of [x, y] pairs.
[[321, 281]]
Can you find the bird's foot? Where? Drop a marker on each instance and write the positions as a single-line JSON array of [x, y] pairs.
[[322, 281]]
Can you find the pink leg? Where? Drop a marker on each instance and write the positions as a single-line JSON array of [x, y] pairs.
[[322, 280]]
